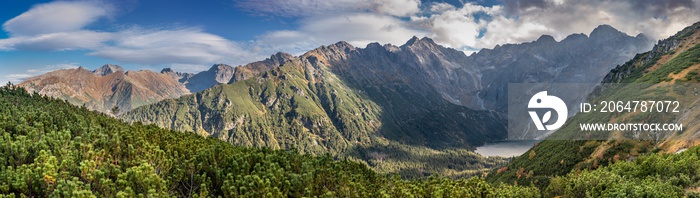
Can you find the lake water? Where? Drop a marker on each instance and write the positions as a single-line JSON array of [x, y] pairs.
[[506, 148]]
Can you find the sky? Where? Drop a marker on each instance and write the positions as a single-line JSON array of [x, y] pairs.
[[187, 35]]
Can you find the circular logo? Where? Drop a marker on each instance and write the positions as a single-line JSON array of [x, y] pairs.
[[547, 102]]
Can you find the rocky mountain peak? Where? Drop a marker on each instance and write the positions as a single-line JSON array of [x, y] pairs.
[[167, 70], [181, 77], [220, 66], [415, 41], [330, 53], [575, 37], [546, 39], [342, 45], [222, 72], [606, 32], [374, 45], [108, 69], [281, 57], [411, 41]]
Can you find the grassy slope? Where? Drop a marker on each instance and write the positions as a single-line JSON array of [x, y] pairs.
[[314, 111]]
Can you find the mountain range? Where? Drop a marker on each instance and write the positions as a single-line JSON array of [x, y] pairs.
[[103, 91], [360, 102], [669, 71], [106, 87], [480, 81]]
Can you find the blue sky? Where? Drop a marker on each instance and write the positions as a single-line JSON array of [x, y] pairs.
[[190, 36]]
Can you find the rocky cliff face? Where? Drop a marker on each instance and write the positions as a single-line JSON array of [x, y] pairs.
[[480, 81], [217, 74], [106, 87], [223, 74], [108, 69], [179, 76], [255, 68]]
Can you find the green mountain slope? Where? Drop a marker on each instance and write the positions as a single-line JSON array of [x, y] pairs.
[[318, 105], [672, 61], [654, 175], [49, 148]]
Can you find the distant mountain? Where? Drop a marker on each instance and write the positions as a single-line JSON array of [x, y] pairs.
[[217, 74], [179, 76], [328, 101], [106, 87], [255, 68], [223, 74], [674, 61], [332, 94], [108, 69], [102, 90], [351, 101], [480, 81]]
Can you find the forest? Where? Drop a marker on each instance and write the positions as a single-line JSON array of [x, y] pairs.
[[49, 148]]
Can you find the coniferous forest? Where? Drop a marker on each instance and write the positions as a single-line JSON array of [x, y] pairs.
[[53, 149]]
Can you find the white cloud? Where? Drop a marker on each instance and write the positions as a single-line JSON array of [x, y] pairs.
[[314, 8], [49, 68], [529, 19], [56, 26], [17, 78], [59, 16], [469, 26], [59, 26], [358, 29], [441, 7], [80, 39], [182, 46], [64, 25], [297, 8], [455, 27], [396, 7]]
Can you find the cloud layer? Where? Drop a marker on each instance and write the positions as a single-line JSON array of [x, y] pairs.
[[61, 16], [65, 25], [17, 78], [316, 8], [60, 26], [469, 26], [179, 46]]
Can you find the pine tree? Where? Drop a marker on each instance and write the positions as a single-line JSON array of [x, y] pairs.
[[115, 110]]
